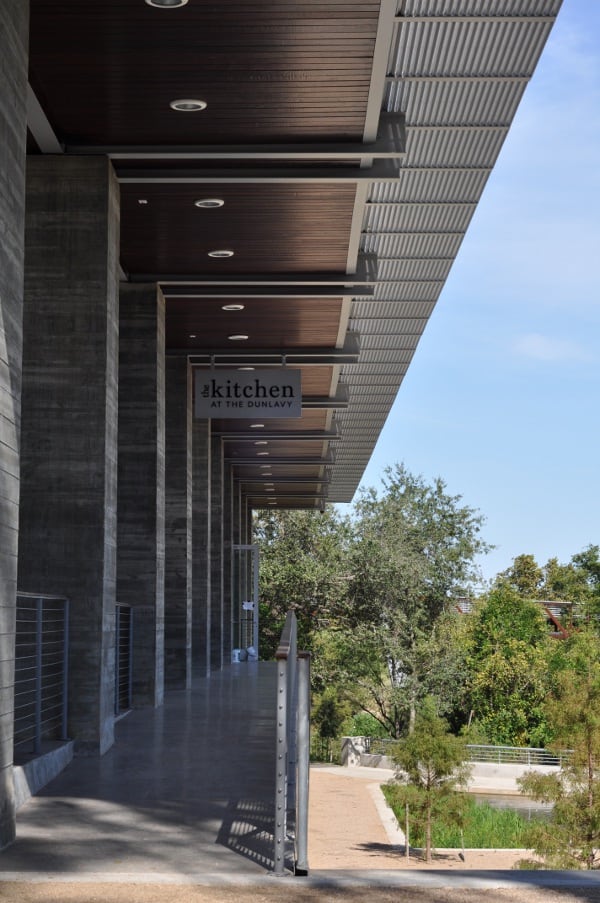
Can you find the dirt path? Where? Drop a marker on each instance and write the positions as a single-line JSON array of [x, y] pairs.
[[346, 831]]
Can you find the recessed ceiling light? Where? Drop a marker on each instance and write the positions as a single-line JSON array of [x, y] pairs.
[[262, 454], [246, 368], [220, 253], [166, 4], [268, 466], [238, 338], [209, 203], [256, 426], [232, 306], [188, 105], [142, 201], [261, 442]]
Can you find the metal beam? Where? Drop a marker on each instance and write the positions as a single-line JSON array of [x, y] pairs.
[[380, 171], [336, 402], [388, 143], [227, 358], [40, 127], [285, 292], [381, 52], [274, 435], [292, 461], [283, 481], [265, 496], [366, 274]]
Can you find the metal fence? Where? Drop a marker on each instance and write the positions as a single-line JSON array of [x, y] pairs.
[[500, 755], [123, 657], [41, 671], [292, 750]]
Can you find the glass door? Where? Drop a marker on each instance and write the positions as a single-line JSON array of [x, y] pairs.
[[245, 602]]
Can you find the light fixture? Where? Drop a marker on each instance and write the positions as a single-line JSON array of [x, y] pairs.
[[220, 253], [246, 368], [262, 467], [232, 306], [166, 4], [256, 426], [192, 335], [238, 338], [261, 442], [262, 454], [209, 203], [142, 201], [188, 105]]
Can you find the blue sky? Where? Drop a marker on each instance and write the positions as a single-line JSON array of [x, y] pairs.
[[502, 399]]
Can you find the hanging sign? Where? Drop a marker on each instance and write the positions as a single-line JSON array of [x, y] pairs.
[[235, 394]]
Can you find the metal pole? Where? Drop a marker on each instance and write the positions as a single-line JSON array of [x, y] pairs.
[[281, 769], [303, 762], [65, 694], [117, 654]]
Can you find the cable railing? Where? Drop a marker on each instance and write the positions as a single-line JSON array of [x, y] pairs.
[[500, 755], [292, 753], [41, 671]]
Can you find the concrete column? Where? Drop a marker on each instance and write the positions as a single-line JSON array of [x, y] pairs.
[[201, 547], [217, 504], [141, 506], [68, 530], [178, 525], [13, 119]]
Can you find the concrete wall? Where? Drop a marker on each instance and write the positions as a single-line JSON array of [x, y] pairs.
[[67, 543], [13, 76]]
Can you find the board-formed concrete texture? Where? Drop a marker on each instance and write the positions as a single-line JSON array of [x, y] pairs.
[[205, 187]]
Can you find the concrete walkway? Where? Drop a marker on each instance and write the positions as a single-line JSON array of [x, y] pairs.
[[184, 800]]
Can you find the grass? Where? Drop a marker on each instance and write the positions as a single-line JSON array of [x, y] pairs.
[[484, 826]]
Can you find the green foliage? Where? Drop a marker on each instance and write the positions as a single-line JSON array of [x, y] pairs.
[[329, 714], [431, 763], [507, 651], [413, 551], [462, 821], [572, 839], [303, 566]]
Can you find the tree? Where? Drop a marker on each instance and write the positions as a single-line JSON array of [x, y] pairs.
[[413, 552], [303, 566], [507, 653], [572, 838], [431, 763], [524, 576]]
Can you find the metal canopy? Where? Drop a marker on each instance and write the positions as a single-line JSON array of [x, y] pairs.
[[341, 153]]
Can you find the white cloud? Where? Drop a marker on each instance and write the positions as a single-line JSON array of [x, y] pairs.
[[538, 347]]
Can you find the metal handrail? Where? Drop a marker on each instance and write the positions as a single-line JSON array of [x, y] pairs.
[[41, 669], [477, 752], [292, 748]]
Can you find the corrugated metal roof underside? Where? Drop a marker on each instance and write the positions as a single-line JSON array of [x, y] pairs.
[[458, 72]]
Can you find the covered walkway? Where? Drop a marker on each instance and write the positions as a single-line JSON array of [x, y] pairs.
[[186, 790]]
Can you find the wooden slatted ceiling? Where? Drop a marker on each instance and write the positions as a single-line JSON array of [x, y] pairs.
[[268, 323], [270, 228], [310, 420], [268, 71]]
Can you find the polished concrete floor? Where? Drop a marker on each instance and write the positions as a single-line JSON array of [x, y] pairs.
[[187, 789]]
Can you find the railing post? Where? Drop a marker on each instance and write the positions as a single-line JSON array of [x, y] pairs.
[[281, 767], [37, 736], [65, 667], [303, 762]]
